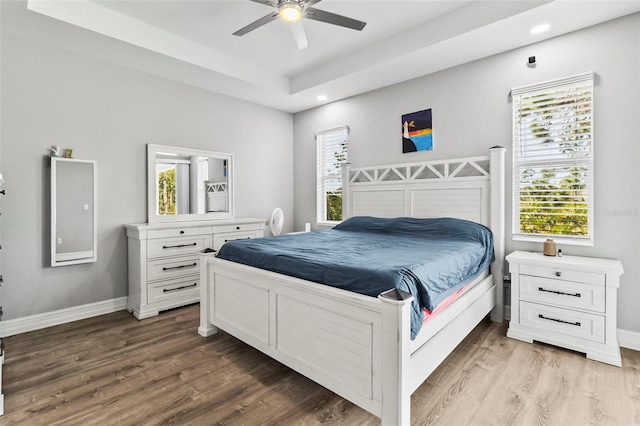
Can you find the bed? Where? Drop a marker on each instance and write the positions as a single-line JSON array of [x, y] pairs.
[[358, 346]]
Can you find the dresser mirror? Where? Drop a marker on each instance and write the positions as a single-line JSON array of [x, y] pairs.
[[73, 213], [188, 184]]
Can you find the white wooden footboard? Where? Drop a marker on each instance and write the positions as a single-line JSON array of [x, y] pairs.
[[357, 346], [329, 335]]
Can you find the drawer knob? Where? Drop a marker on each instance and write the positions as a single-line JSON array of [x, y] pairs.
[[182, 232], [238, 228], [558, 274]]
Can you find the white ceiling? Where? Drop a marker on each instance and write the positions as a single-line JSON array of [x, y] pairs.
[[402, 40]]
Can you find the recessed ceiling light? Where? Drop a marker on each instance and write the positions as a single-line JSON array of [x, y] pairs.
[[322, 97], [539, 29]]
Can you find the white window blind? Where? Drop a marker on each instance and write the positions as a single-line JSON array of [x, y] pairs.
[[553, 160], [331, 153]]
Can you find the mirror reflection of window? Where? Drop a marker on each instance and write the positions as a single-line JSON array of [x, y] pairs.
[[188, 183], [173, 183], [166, 178]]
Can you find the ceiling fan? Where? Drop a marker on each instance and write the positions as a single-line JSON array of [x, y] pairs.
[[293, 11]]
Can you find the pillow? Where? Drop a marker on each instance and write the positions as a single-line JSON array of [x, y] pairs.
[[444, 227]]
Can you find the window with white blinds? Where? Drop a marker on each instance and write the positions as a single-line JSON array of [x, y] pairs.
[[331, 154], [553, 160]]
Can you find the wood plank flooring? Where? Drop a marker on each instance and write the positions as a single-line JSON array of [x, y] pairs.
[[116, 370]]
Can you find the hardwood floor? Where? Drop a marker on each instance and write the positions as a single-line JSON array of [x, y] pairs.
[[116, 370]]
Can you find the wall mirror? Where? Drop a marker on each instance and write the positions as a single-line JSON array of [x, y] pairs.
[[188, 184], [73, 213]]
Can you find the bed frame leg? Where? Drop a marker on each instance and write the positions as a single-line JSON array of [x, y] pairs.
[[396, 332], [206, 328]]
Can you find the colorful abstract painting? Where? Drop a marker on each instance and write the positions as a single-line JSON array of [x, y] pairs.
[[417, 131]]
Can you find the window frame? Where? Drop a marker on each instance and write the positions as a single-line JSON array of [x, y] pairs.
[[323, 138], [585, 83]]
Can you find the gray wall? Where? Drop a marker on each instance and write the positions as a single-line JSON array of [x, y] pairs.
[[109, 113], [472, 112]]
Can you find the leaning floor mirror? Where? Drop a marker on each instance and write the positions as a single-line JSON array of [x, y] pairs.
[[73, 213]]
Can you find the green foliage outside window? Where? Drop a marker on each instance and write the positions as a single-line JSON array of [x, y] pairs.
[[554, 208], [554, 194], [167, 192], [334, 206], [334, 198]]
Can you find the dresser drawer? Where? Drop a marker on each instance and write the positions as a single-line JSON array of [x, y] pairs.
[[171, 289], [173, 268], [239, 227], [564, 321], [562, 293], [564, 274], [164, 247], [220, 239], [178, 232]]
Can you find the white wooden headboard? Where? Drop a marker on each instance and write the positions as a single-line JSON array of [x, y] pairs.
[[464, 188]]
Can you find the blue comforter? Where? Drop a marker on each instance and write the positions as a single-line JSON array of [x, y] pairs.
[[428, 258]]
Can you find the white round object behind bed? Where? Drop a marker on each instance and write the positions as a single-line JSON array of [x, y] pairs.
[[276, 221]]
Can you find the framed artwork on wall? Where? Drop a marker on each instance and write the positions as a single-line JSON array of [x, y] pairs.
[[417, 131]]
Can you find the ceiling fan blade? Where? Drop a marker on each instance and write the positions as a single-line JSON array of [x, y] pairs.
[[257, 24], [298, 33], [307, 4], [267, 2], [332, 18]]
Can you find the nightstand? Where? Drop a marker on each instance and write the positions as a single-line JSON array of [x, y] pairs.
[[567, 301]]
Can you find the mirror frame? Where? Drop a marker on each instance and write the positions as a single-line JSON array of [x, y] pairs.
[[63, 259], [152, 186]]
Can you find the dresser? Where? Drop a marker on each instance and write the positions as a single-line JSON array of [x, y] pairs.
[[164, 259], [567, 301]]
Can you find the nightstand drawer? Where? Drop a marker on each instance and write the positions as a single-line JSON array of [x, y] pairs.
[[563, 274], [165, 247], [564, 321], [562, 293], [172, 268], [172, 289]]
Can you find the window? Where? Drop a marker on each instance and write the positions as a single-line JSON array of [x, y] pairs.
[[332, 152], [553, 160]]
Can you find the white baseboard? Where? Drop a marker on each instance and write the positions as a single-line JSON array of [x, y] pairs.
[[62, 316], [629, 339]]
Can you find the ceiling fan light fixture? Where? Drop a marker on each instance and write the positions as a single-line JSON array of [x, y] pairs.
[[290, 11]]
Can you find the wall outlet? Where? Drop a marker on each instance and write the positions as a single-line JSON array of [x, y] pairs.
[[59, 240], [86, 206]]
